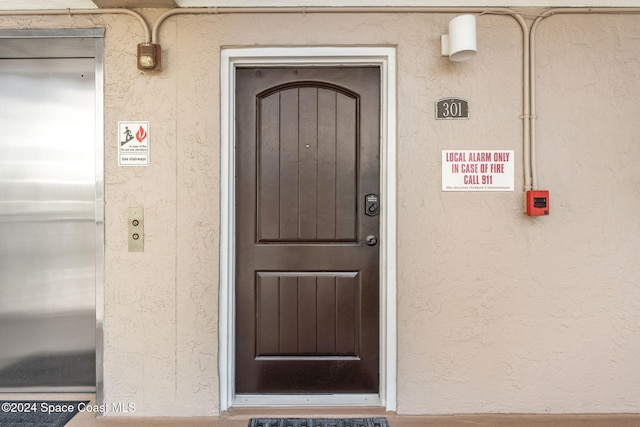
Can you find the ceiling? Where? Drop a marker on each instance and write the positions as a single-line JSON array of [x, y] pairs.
[[134, 4], [83, 4]]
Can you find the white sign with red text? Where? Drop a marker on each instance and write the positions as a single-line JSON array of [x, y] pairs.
[[477, 170], [133, 143]]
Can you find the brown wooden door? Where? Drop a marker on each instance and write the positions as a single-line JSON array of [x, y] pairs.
[[307, 294]]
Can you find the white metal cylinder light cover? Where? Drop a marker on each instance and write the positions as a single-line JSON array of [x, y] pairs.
[[460, 43]]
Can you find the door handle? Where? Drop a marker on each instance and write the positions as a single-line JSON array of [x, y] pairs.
[[371, 240]]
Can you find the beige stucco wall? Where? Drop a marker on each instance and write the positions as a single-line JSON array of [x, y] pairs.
[[497, 311]]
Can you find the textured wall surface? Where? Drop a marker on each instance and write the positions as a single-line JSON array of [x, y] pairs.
[[497, 311], [589, 68]]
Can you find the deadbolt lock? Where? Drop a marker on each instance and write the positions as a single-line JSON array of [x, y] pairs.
[[372, 205]]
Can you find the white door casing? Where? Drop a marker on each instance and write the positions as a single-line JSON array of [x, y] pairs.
[[385, 58]]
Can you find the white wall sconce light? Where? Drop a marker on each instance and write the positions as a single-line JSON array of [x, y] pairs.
[[460, 43], [149, 57]]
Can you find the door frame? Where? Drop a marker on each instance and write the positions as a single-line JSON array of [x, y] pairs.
[[97, 35], [385, 58]]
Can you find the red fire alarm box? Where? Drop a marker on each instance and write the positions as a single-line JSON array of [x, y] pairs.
[[537, 202]]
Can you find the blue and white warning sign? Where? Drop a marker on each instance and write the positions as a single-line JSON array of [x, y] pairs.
[[133, 143]]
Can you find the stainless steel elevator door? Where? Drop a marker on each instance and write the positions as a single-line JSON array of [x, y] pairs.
[[47, 221]]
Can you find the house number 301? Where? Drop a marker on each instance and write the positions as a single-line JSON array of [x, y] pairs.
[[452, 108]]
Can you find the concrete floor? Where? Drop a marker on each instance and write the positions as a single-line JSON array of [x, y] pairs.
[[400, 421], [240, 418]]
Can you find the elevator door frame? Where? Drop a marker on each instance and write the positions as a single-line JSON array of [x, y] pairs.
[[97, 35]]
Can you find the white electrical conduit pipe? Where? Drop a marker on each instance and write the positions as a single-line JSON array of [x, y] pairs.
[[71, 12], [372, 9], [532, 51]]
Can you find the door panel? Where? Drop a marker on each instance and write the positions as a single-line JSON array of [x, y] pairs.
[[308, 314], [48, 205], [307, 303], [308, 165]]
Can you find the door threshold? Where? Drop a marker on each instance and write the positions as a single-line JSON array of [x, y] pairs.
[[298, 400]]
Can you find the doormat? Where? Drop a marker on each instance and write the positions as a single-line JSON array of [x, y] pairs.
[[32, 413], [318, 422]]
